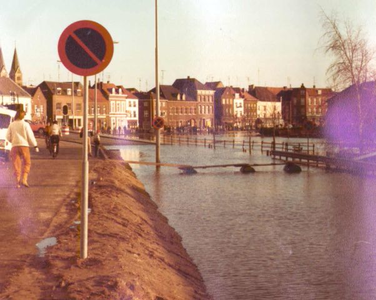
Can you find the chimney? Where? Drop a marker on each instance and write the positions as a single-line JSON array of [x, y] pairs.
[[302, 86], [188, 77], [314, 86]]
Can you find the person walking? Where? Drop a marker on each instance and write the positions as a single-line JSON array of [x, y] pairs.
[[97, 142], [21, 136]]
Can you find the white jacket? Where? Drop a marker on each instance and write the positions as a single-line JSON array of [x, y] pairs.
[[19, 133]]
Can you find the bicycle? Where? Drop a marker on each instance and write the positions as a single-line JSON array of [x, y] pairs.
[[54, 145]]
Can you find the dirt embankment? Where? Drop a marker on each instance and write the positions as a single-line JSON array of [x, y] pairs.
[[133, 252]]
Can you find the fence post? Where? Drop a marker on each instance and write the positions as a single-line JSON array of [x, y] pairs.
[[205, 142], [224, 144], [233, 143], [172, 141], [313, 146], [196, 141], [179, 140], [262, 146], [188, 140]]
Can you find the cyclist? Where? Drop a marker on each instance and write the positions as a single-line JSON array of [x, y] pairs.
[[47, 135], [55, 134]]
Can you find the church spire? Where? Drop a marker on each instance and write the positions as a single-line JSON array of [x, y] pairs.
[[15, 72], [3, 71]]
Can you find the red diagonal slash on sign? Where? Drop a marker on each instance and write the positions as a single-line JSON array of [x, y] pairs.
[[87, 50], [71, 58]]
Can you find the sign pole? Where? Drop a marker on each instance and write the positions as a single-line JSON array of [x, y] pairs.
[[85, 176], [95, 105], [157, 150]]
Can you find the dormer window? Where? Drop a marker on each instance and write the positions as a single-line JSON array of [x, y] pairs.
[[69, 92], [183, 96], [178, 97], [113, 91], [120, 92], [78, 92], [58, 91]]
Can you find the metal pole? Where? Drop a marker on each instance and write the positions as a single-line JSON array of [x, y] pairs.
[[74, 123], [157, 149], [85, 176], [95, 106]]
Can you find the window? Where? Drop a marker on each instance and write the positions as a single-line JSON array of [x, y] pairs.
[[92, 109], [78, 106], [223, 101], [146, 113], [134, 114], [78, 92], [69, 92], [117, 106], [302, 101], [191, 110], [295, 101], [69, 106], [104, 109], [135, 104], [314, 101], [199, 109], [58, 106], [58, 91], [186, 110], [319, 92], [181, 110], [310, 101], [302, 92], [112, 106]]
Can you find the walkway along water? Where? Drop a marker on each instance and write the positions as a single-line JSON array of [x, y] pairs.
[[133, 252]]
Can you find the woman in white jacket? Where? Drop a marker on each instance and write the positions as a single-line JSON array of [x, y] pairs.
[[21, 136]]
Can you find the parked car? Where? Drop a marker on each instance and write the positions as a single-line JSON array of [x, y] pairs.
[[6, 117], [37, 127]]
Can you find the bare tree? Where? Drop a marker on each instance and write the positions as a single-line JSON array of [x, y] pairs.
[[352, 57]]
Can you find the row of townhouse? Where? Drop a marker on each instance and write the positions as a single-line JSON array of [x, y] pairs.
[[185, 103]]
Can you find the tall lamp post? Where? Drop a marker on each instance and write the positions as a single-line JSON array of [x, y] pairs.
[[158, 134]]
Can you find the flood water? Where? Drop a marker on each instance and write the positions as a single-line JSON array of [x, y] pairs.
[[267, 235]]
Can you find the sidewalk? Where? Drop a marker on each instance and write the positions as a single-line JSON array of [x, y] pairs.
[[133, 252], [27, 213]]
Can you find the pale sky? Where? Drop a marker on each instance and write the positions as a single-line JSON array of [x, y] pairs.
[[240, 42]]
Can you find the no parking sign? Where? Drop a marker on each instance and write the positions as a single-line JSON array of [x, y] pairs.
[[85, 48]]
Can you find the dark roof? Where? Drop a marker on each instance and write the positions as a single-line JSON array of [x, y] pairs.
[[266, 93], [189, 84], [367, 92], [214, 85], [15, 63], [30, 89], [143, 95], [167, 92], [8, 86], [50, 87]]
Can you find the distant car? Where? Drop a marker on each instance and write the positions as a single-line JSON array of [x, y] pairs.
[[37, 127]]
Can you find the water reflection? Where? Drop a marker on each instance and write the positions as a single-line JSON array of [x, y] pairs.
[[269, 235]]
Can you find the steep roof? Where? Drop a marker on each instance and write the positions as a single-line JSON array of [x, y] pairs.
[[3, 71], [100, 97], [188, 83], [269, 94], [8, 86], [167, 92], [15, 64], [214, 85], [52, 86]]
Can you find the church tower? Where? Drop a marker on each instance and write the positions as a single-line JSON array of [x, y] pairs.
[[3, 71], [15, 72]]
